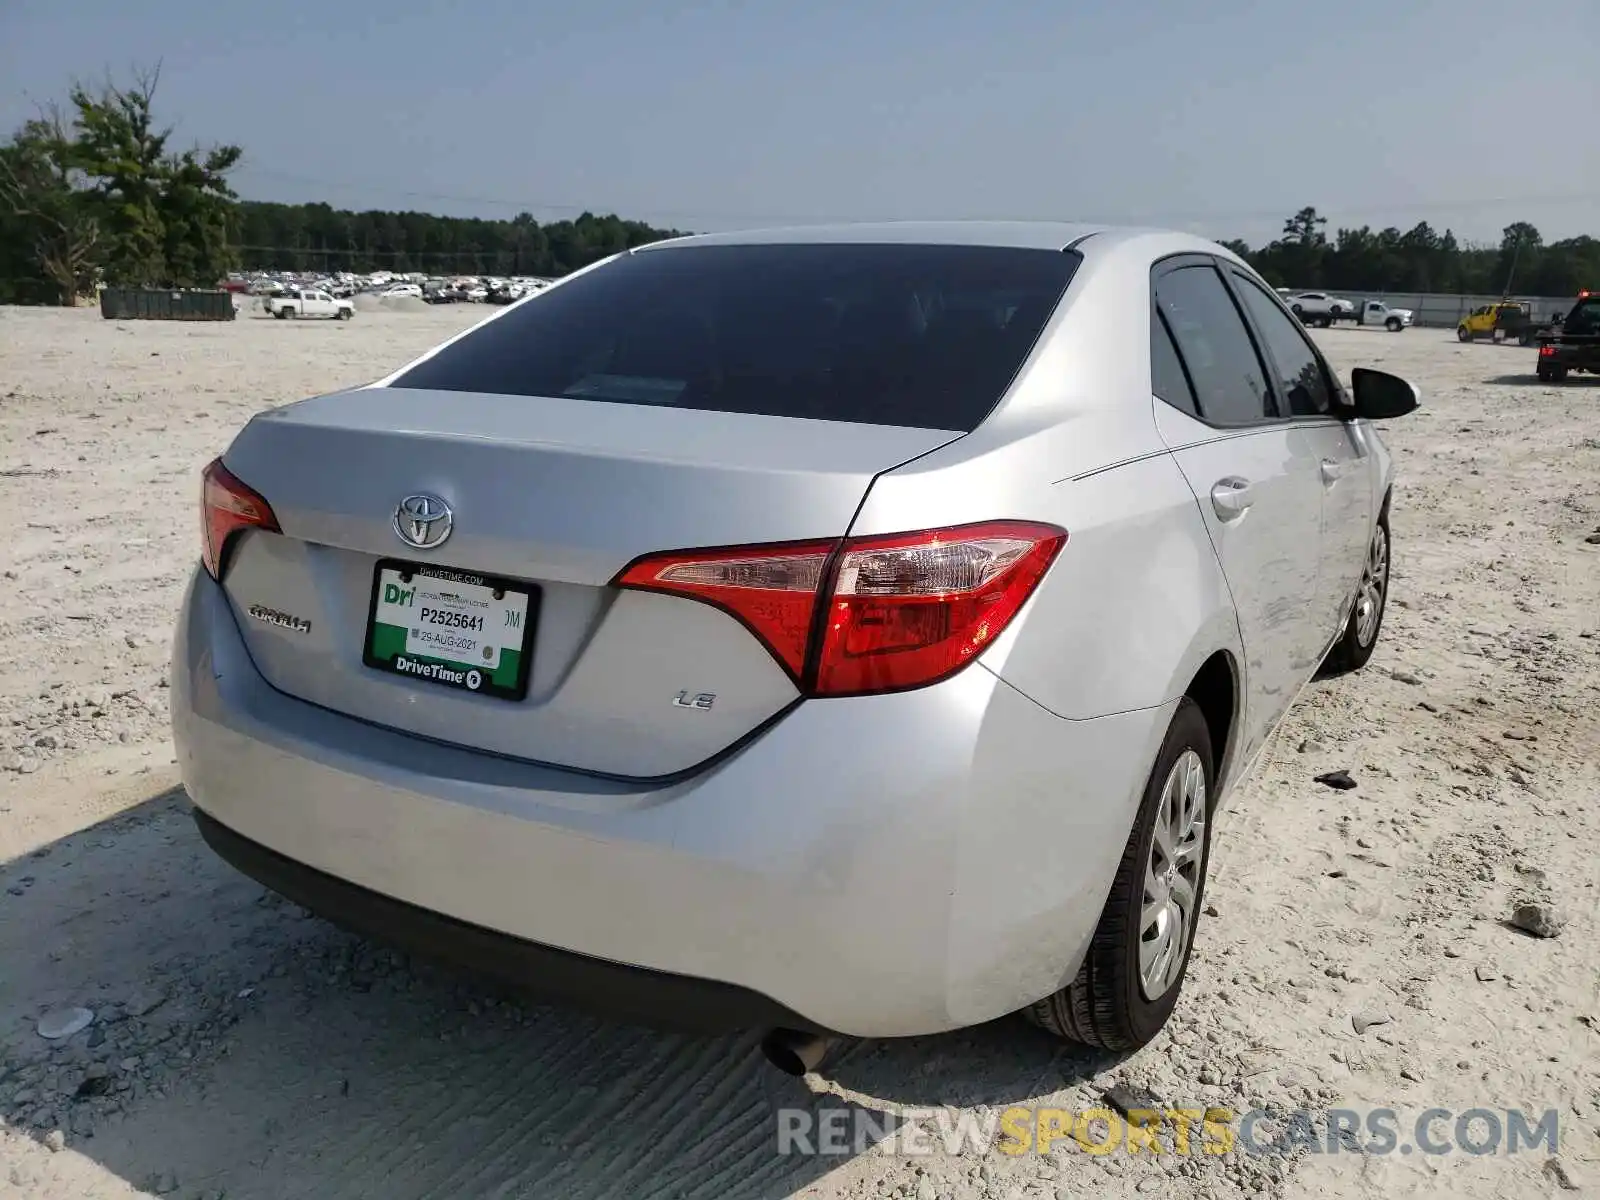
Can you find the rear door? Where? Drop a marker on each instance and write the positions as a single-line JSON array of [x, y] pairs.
[[1254, 474], [1311, 395]]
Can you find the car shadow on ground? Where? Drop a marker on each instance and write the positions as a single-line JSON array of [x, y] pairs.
[[251, 1050], [1529, 379]]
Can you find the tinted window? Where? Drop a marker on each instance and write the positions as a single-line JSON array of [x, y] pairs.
[[1584, 317], [1229, 383], [1301, 377], [1167, 379], [926, 336]]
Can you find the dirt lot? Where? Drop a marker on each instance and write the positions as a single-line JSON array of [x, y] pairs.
[[240, 1048]]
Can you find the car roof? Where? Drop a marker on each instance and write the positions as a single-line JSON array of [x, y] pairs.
[[1035, 235], [1095, 240]]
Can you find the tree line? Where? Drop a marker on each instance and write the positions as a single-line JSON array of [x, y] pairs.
[[93, 193], [1422, 259], [316, 237]]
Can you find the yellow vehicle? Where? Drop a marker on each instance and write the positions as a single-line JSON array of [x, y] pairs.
[[1501, 321]]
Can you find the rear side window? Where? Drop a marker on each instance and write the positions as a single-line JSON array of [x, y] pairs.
[[1301, 376], [925, 336], [1229, 381], [1167, 379]]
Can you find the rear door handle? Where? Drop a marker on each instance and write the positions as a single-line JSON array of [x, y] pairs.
[[1332, 471], [1230, 497]]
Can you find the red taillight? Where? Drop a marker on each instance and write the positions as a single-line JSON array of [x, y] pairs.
[[772, 589], [902, 611], [226, 507], [910, 609], [1547, 351]]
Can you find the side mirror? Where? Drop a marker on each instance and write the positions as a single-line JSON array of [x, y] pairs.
[[1379, 396]]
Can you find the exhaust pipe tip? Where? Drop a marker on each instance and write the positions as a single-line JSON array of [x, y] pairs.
[[793, 1051]]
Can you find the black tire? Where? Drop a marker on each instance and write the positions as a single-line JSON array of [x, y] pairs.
[[280, 313], [1557, 374], [1463, 334], [1105, 1005], [1298, 311], [1350, 653], [1393, 325]]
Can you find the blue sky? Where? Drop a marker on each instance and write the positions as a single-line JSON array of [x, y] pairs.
[[1221, 116]]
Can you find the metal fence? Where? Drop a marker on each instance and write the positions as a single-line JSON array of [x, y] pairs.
[[1441, 310], [176, 304]]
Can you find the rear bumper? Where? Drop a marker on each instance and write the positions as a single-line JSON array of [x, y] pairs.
[[649, 997], [873, 866]]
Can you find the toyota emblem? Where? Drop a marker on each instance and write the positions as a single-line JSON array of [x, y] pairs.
[[423, 521]]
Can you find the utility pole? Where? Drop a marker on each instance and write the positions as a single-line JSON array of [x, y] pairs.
[[1516, 252]]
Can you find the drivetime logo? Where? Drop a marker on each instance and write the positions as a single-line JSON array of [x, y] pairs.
[[393, 593], [471, 680]]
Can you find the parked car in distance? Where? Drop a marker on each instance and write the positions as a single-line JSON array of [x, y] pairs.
[[1379, 314], [400, 289], [306, 302], [844, 630], [1319, 308]]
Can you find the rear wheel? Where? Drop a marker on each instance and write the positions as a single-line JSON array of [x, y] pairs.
[[1129, 982], [1552, 374], [280, 313], [1360, 638]]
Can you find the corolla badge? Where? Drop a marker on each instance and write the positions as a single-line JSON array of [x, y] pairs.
[[423, 521], [282, 620]]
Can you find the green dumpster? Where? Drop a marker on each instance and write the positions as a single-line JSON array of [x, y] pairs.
[[166, 304]]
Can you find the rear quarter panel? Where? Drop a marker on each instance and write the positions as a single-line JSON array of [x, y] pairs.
[[1134, 605], [1136, 601]]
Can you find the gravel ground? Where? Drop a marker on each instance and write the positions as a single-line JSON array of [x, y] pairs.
[[1359, 950]]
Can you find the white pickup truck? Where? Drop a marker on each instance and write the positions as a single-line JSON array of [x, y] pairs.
[[307, 302], [1376, 312]]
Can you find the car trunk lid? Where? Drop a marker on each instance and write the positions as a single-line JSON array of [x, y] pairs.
[[556, 495]]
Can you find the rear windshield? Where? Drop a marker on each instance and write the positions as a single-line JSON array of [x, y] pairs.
[[1584, 317], [924, 336]]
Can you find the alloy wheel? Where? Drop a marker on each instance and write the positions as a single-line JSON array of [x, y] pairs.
[[1172, 876], [1374, 579]]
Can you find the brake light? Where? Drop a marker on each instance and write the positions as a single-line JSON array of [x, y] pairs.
[[870, 614], [772, 589], [227, 506], [1547, 351]]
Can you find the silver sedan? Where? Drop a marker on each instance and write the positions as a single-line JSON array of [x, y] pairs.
[[840, 631]]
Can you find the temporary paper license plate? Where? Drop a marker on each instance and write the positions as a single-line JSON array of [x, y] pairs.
[[454, 628]]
